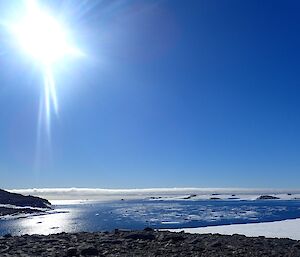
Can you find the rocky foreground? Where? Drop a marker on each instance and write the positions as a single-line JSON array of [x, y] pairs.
[[146, 243]]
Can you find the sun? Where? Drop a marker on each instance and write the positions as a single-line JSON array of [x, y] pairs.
[[45, 40], [42, 36]]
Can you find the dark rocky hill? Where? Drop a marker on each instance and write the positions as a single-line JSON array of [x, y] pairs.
[[23, 201]]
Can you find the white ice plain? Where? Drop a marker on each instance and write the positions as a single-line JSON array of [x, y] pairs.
[[277, 229]]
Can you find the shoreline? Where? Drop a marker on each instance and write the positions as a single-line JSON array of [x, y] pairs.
[[45, 225], [13, 212]]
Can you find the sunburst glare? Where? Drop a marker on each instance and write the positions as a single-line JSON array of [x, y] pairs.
[[47, 42]]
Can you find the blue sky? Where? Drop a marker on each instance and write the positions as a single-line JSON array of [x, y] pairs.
[[170, 94]]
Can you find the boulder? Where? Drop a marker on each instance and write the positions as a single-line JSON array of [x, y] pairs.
[[89, 251]]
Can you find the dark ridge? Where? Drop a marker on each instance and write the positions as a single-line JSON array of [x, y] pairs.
[[23, 201]]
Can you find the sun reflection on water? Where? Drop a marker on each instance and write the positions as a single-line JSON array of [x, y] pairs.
[[62, 221]]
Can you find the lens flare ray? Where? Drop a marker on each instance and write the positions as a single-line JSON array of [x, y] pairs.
[[50, 97]]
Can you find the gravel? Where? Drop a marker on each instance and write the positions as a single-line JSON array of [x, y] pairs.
[[146, 243]]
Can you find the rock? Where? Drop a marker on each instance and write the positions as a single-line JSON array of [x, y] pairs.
[[4, 248], [15, 211], [7, 236], [267, 197], [22, 200], [89, 251], [155, 197], [174, 237], [148, 229], [216, 244], [140, 235], [297, 246], [112, 241], [189, 197], [50, 240], [72, 251]]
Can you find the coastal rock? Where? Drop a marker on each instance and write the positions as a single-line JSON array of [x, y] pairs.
[[17, 204], [22, 200], [13, 211], [267, 197], [148, 229], [189, 197], [215, 198]]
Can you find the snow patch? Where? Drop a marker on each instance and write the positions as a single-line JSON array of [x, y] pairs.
[[276, 229]]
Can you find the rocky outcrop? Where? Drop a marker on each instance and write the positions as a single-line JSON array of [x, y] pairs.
[[13, 211], [267, 197], [146, 243], [23, 201], [214, 198], [189, 197]]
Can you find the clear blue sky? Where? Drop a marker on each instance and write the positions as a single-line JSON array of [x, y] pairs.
[[170, 94]]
